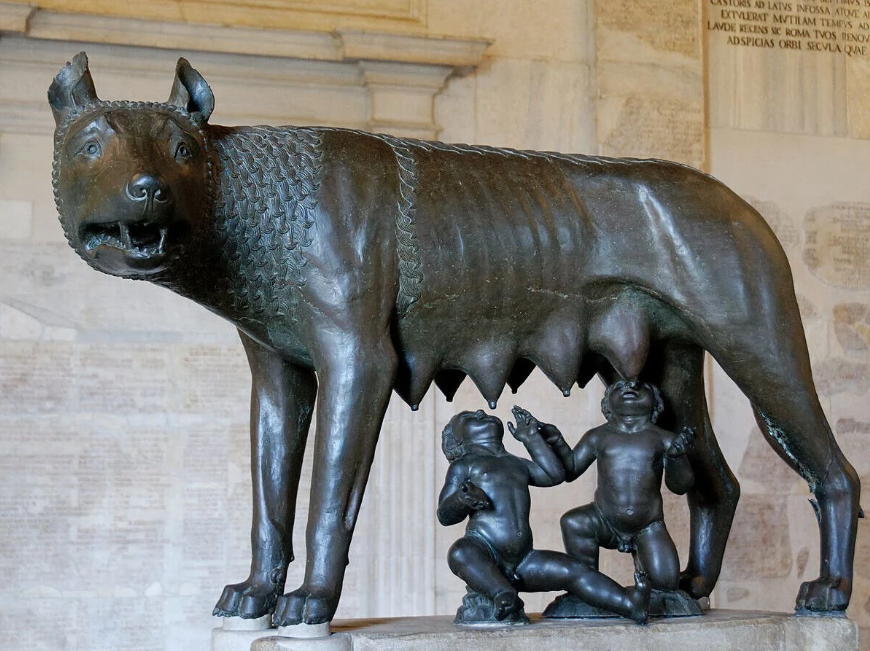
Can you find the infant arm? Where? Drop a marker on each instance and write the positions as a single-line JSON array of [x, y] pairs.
[[545, 468], [460, 497], [560, 448], [583, 455], [678, 471], [576, 461]]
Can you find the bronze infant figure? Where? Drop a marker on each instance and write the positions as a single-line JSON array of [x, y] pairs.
[[632, 454], [490, 486], [355, 265]]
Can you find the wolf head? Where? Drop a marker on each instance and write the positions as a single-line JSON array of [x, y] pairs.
[[132, 180]]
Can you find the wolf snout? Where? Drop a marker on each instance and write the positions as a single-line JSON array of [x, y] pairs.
[[148, 188]]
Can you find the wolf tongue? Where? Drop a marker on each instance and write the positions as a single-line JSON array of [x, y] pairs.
[[125, 236]]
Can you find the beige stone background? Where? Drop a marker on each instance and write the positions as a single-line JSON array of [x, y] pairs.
[[124, 491]]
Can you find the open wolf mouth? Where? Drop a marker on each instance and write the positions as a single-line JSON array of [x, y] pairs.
[[140, 240]]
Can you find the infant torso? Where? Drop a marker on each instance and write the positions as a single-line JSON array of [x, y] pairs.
[[505, 480], [630, 468]]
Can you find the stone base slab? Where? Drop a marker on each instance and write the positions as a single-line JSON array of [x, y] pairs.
[[718, 630], [236, 633], [662, 603]]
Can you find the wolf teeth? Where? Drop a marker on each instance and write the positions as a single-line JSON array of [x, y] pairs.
[[125, 236]]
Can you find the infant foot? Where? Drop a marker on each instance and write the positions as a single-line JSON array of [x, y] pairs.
[[638, 597], [507, 603]]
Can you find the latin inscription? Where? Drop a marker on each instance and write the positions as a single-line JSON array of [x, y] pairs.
[[778, 220], [759, 517], [834, 26], [646, 129], [837, 244], [668, 30]]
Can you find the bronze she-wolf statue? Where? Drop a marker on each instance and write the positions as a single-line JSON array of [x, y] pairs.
[[354, 265]]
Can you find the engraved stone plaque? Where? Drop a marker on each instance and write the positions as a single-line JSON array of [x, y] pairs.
[[837, 248]]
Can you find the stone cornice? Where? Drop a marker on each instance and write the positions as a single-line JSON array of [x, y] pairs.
[[379, 81], [15, 17], [461, 55], [25, 117]]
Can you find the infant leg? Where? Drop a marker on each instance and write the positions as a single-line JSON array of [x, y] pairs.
[[474, 564], [544, 571], [584, 533], [656, 556]]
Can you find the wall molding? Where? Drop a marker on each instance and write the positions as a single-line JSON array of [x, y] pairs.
[[461, 54], [15, 17], [402, 16], [399, 9], [378, 81], [25, 117]]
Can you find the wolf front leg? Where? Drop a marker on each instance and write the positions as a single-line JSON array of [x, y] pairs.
[[282, 402], [356, 379]]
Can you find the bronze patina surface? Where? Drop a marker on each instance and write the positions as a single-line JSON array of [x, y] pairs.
[[355, 265]]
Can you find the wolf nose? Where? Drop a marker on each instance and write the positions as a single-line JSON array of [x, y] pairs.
[[147, 187]]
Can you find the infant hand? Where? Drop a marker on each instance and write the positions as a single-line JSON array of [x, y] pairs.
[[551, 434], [682, 442], [526, 425], [473, 496]]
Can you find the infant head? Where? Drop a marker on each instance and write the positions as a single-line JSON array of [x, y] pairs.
[[469, 427], [632, 398]]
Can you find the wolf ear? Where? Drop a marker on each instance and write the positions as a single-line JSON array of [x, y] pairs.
[[191, 92], [72, 89]]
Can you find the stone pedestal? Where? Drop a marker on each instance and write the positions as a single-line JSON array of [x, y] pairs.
[[718, 630], [237, 634]]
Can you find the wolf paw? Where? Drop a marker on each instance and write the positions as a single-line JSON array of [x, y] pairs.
[[696, 585], [829, 594], [249, 600], [304, 607]]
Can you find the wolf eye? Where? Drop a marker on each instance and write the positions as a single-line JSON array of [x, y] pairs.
[[91, 149], [182, 152]]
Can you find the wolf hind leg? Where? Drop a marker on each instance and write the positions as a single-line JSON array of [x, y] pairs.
[[772, 368], [678, 370], [814, 454]]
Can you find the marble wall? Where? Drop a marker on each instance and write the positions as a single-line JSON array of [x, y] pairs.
[[123, 409], [787, 131]]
